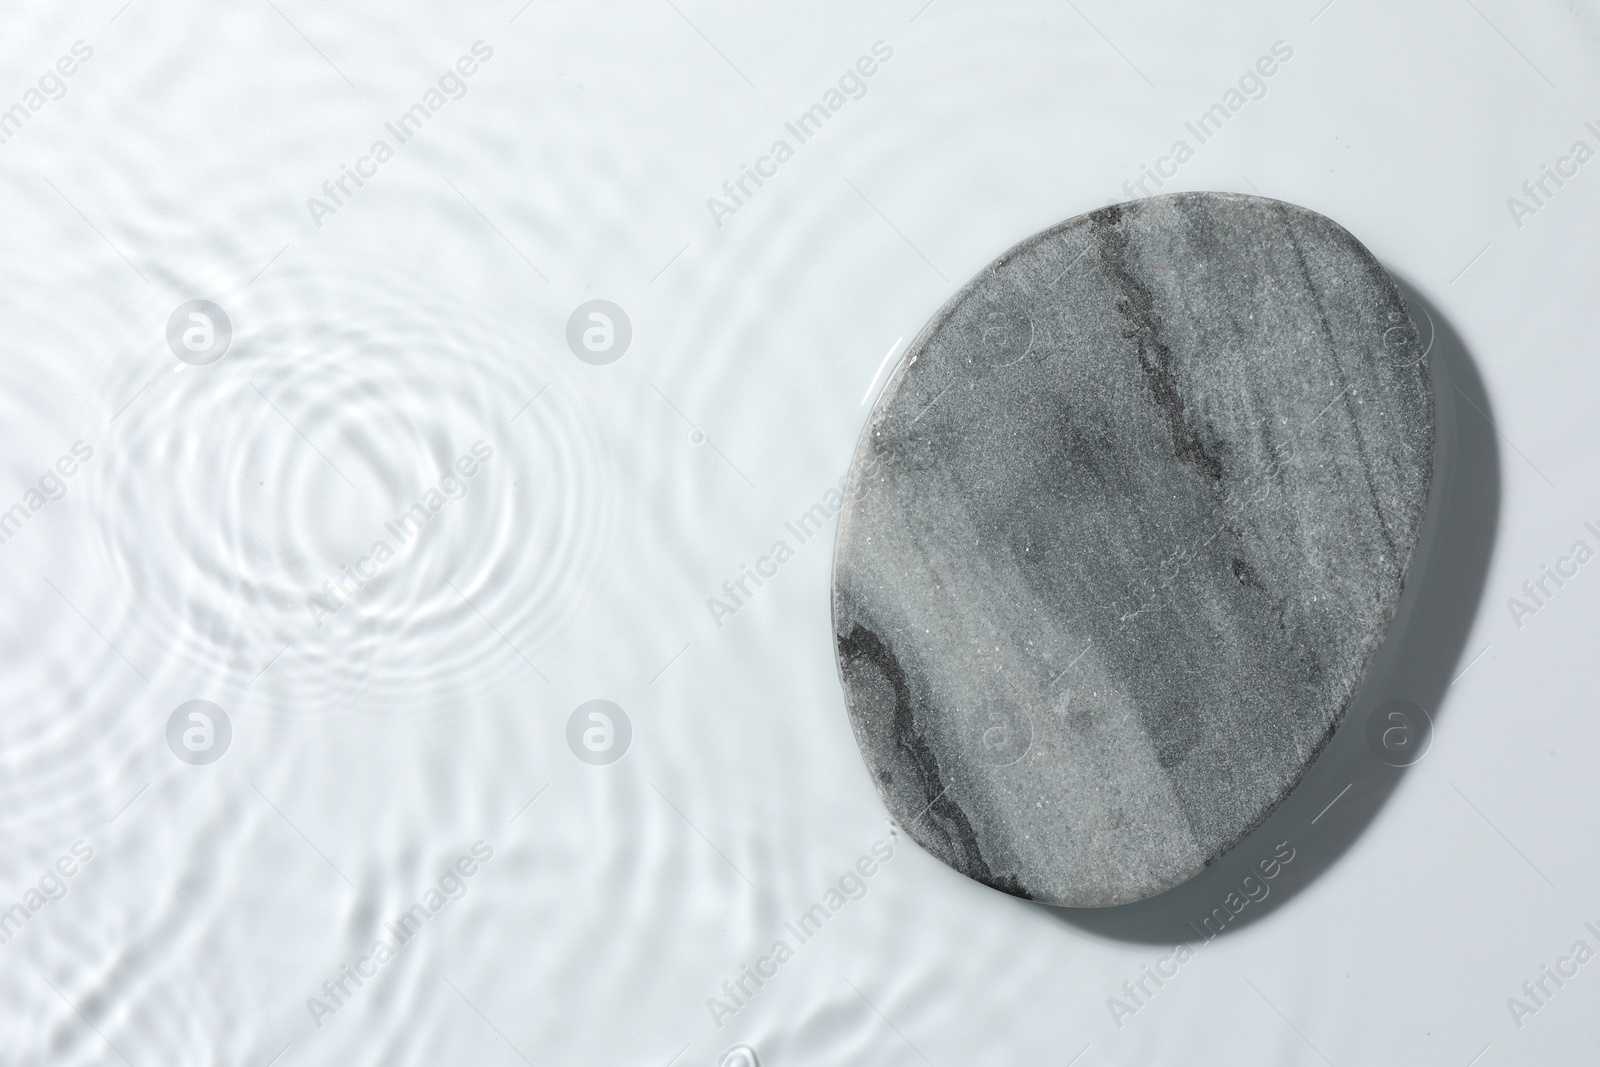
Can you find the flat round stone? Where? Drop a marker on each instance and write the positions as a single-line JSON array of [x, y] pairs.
[[1122, 537]]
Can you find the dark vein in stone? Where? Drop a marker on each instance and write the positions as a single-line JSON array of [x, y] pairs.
[[959, 839], [1333, 356], [1136, 304]]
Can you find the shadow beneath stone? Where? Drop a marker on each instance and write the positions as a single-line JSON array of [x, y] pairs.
[[1389, 723]]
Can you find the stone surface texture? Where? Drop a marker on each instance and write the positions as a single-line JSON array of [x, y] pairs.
[[1123, 534]]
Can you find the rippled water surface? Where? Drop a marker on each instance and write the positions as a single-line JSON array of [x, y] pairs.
[[397, 532]]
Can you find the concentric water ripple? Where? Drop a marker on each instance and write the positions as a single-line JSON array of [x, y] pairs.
[[318, 510]]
